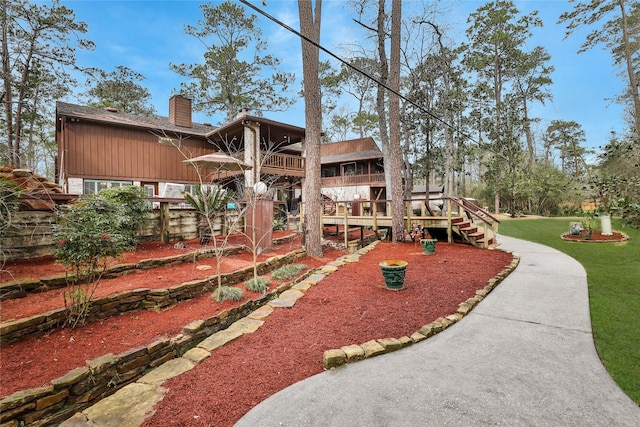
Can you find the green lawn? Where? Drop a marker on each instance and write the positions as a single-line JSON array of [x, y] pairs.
[[613, 273]]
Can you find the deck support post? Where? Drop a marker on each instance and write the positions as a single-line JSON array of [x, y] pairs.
[[374, 212], [346, 227], [449, 225], [164, 222]]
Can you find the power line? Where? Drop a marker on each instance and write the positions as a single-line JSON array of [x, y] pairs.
[[353, 67]]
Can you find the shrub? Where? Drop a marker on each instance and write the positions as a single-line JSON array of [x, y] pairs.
[[136, 207], [10, 194], [258, 284], [288, 271], [278, 224], [88, 232], [209, 201], [224, 293]]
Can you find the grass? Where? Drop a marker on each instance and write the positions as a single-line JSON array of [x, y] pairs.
[[288, 271], [257, 284], [613, 275]]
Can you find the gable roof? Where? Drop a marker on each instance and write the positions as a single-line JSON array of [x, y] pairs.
[[280, 133], [276, 134], [117, 118], [350, 151]]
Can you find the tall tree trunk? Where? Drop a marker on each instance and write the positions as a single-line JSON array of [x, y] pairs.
[[633, 81], [395, 149], [311, 192], [380, 96], [531, 146], [498, 100], [7, 88]]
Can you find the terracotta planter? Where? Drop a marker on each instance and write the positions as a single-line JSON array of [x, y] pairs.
[[393, 271], [428, 246]]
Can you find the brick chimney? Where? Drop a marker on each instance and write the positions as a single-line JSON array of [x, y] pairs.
[[180, 111]]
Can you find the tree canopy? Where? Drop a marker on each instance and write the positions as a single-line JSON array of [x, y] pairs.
[[119, 89], [619, 33], [39, 44], [235, 65]]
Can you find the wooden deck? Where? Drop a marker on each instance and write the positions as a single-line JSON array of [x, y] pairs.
[[380, 221], [465, 220]]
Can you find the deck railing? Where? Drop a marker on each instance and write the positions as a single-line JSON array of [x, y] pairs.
[[374, 212], [364, 179], [286, 163]]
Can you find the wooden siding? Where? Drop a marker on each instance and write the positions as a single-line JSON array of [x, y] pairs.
[[345, 147], [96, 151]]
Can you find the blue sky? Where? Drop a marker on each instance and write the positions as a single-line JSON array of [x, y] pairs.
[[146, 36]]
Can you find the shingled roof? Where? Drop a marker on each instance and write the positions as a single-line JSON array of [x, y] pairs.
[[350, 151], [125, 119]]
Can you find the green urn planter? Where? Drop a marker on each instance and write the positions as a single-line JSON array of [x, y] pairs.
[[428, 246], [393, 272]]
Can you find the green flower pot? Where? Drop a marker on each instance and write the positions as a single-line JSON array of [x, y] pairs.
[[393, 272], [428, 246]]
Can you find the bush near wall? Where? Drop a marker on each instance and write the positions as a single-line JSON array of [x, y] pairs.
[[32, 234]]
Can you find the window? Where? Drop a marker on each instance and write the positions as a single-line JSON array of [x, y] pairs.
[[92, 186], [328, 172]]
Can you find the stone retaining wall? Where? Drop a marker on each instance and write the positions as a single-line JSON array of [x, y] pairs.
[[149, 299], [32, 233], [82, 387], [21, 287]]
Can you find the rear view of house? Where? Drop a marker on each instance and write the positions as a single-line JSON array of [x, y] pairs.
[[102, 148]]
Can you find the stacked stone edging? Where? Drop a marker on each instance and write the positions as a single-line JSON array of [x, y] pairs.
[[351, 353], [19, 288], [101, 377], [623, 238], [143, 298]]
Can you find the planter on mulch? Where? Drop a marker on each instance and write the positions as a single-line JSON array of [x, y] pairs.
[[393, 271], [428, 246]]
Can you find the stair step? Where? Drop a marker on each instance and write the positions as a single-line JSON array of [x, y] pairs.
[[469, 229]]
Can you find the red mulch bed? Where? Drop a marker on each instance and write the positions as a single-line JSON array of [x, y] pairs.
[[596, 236], [350, 306]]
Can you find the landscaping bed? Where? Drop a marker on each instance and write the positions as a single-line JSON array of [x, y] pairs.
[[596, 236], [435, 287]]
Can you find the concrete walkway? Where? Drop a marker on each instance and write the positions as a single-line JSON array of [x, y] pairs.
[[523, 356]]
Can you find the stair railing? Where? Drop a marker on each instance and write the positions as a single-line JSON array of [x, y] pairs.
[[474, 211]]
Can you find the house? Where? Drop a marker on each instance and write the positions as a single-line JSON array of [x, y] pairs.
[[352, 170], [419, 195], [101, 148]]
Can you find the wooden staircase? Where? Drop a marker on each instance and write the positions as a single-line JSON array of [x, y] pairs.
[[481, 237]]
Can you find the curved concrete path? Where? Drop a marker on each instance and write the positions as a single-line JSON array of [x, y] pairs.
[[523, 356]]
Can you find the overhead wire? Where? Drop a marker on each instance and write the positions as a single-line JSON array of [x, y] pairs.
[[355, 68]]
